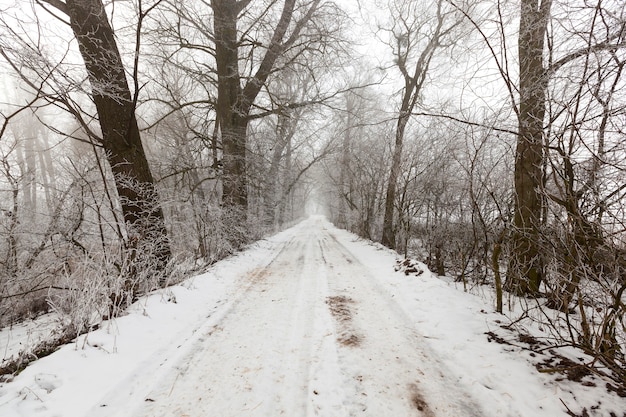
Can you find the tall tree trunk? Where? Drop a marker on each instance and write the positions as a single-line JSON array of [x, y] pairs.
[[344, 180], [285, 130], [525, 271], [287, 190], [234, 181], [120, 134], [389, 233], [272, 192], [231, 117]]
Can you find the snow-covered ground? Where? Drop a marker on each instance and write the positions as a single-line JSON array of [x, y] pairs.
[[311, 322]]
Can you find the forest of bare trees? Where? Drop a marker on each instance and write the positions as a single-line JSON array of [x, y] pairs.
[[143, 140]]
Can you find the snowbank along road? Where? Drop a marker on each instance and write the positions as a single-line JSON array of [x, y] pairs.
[[309, 333]]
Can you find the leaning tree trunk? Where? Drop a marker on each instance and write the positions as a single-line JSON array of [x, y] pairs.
[[121, 140], [525, 271]]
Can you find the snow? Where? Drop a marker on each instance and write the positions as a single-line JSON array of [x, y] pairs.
[[312, 321], [24, 336]]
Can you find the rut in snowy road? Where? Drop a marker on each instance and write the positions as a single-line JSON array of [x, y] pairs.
[[310, 333]]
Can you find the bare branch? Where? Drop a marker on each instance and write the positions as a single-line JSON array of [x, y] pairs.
[[467, 122], [57, 4]]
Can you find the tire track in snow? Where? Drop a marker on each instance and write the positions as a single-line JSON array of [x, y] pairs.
[[391, 362], [273, 349], [264, 356], [137, 388]]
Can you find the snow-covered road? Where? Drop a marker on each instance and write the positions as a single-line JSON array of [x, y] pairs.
[[311, 333], [310, 322]]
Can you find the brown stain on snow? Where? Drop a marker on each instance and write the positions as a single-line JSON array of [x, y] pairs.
[[418, 402], [339, 307]]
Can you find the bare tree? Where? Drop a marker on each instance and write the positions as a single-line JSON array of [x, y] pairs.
[[234, 101], [415, 38], [120, 139], [238, 57], [525, 271], [356, 172], [567, 230]]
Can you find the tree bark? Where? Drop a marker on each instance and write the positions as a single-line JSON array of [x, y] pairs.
[[525, 271], [231, 111], [389, 233], [120, 134]]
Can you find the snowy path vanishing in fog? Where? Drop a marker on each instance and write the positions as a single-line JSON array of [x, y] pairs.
[[311, 333], [312, 321]]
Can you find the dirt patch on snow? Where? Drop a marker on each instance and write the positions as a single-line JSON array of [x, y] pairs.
[[418, 402], [340, 309], [259, 275]]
